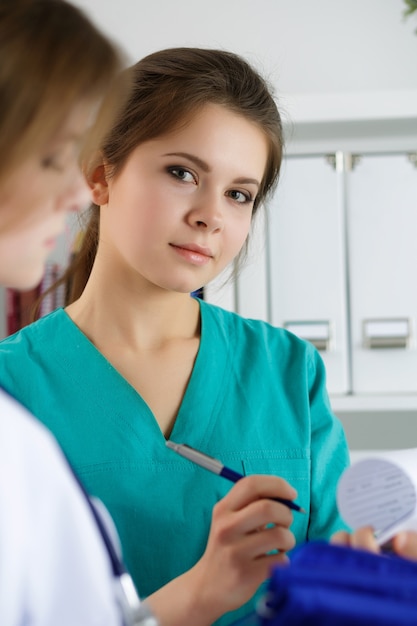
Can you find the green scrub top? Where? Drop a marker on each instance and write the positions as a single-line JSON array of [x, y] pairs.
[[256, 400]]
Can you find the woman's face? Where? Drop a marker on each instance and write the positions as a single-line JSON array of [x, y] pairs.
[[34, 201], [180, 209]]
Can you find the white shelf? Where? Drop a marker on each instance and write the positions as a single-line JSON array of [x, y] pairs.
[[306, 108], [372, 403]]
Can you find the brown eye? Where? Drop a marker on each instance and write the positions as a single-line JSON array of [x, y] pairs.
[[182, 174], [51, 162], [239, 196]]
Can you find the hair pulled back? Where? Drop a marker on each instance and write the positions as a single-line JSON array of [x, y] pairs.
[[166, 89]]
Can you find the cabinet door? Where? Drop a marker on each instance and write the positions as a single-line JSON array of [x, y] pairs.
[[252, 278], [307, 257], [383, 269]]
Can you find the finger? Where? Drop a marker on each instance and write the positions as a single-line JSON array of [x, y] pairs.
[[270, 560], [341, 538], [275, 538], [242, 557], [262, 513], [364, 539], [227, 526], [405, 544], [256, 487]]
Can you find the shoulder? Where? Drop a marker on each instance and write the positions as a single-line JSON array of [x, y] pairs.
[[41, 474], [22, 435], [42, 326], [29, 451], [43, 512], [45, 328], [234, 326], [29, 357]]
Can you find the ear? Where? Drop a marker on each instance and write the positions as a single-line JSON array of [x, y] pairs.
[[97, 182]]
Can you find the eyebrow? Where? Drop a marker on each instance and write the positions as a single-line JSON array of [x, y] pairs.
[[206, 168], [66, 136], [62, 139]]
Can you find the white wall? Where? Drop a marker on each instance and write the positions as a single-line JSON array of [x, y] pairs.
[[349, 59]]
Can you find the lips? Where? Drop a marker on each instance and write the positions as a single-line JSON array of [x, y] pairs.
[[192, 254], [194, 248], [50, 242]]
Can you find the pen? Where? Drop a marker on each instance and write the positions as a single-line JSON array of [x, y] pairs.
[[217, 467]]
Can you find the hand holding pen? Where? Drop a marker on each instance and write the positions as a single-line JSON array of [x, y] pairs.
[[249, 534], [215, 466]]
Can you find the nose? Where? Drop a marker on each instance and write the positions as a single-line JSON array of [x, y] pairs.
[[77, 195], [206, 212]]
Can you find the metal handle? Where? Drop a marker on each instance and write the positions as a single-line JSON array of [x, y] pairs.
[[392, 332], [317, 332]]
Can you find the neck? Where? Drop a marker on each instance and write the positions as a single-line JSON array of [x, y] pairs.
[[133, 312]]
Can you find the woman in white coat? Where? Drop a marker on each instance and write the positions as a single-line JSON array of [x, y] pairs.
[[54, 67]]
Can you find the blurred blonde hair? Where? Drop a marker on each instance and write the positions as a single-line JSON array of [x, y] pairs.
[[51, 59]]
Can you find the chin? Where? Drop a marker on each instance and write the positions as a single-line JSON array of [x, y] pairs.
[[25, 280]]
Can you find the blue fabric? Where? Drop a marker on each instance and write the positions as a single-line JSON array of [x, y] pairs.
[[328, 585]]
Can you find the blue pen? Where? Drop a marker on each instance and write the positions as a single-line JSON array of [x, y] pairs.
[[215, 466]]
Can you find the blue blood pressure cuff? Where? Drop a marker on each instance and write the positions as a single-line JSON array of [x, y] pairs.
[[329, 585]]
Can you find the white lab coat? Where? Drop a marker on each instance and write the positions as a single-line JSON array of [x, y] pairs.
[[54, 569]]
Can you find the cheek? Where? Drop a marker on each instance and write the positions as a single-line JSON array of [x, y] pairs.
[[21, 259], [13, 207], [150, 214], [22, 216], [126, 227], [239, 231]]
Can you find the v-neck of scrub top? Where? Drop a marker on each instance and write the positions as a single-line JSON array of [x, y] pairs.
[[202, 400]]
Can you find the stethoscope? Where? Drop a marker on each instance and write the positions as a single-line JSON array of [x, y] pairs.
[[133, 611]]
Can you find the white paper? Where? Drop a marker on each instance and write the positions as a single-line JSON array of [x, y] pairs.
[[381, 491]]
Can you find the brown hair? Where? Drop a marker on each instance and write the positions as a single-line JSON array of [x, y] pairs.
[[51, 58], [167, 87]]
